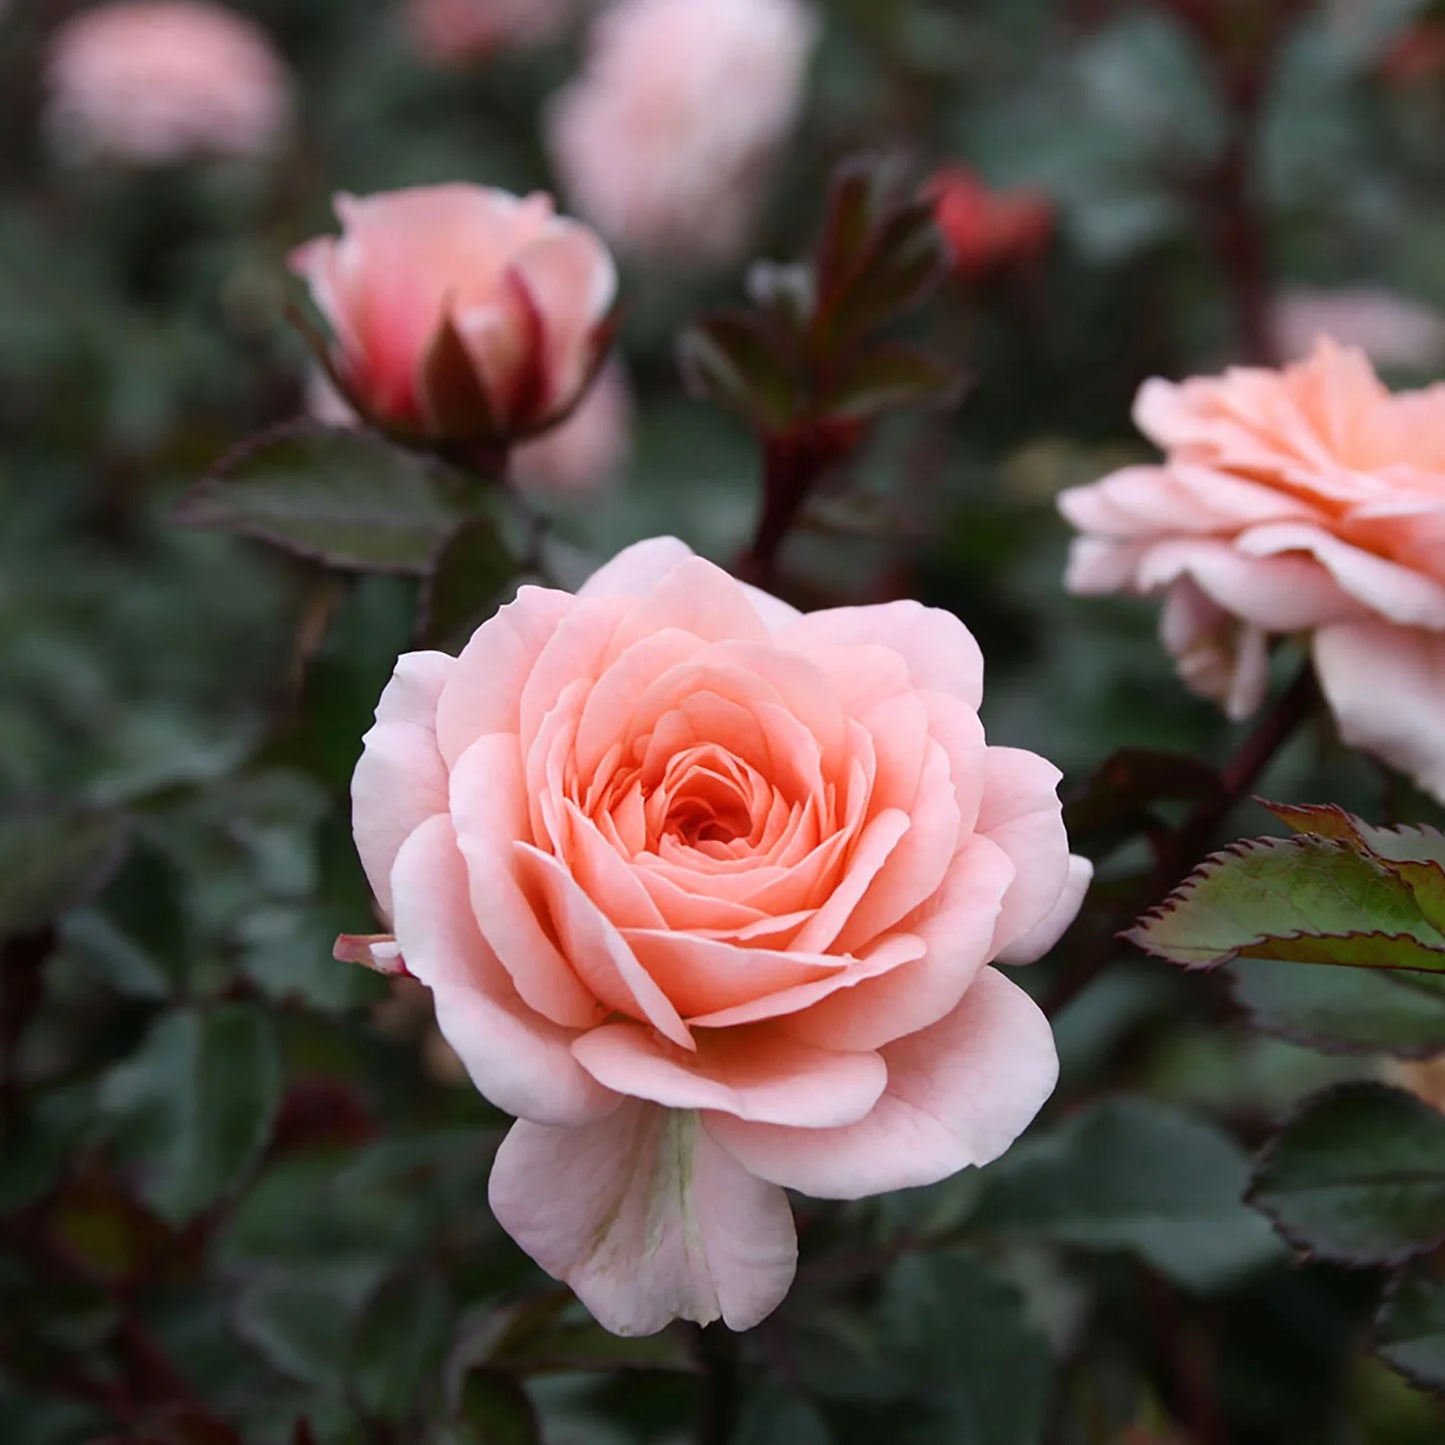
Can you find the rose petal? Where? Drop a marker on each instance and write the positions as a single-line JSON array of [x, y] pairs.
[[756, 1073], [959, 1093], [646, 1219], [400, 780], [1039, 939]]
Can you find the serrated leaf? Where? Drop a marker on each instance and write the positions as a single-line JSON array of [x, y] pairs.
[[346, 498], [400, 1343], [893, 376], [53, 857], [960, 1340], [1344, 1010], [1136, 1176], [1357, 1176], [730, 359], [193, 1106], [1303, 899], [1410, 1327]]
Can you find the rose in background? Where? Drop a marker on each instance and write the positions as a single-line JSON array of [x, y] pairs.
[[706, 891], [460, 313], [665, 141], [1392, 330], [1305, 500], [986, 229], [461, 32], [161, 81]]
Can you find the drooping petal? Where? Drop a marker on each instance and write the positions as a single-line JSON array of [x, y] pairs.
[[1386, 688], [647, 1219], [959, 1093], [1039, 939]]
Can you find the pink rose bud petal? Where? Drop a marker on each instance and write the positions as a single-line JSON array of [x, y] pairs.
[[1302, 500], [379, 952], [707, 894], [460, 313]]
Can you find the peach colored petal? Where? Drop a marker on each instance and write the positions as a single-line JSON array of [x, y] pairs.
[[1021, 813], [959, 1093], [1039, 939], [597, 950], [646, 1219], [635, 570], [939, 650], [956, 930], [484, 692], [1385, 686], [400, 780], [489, 808], [516, 1058], [705, 975], [875, 844], [753, 1073]]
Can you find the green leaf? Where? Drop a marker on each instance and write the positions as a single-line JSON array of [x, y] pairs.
[[960, 1339], [1410, 1327], [493, 1409], [400, 1343], [775, 1415], [1344, 1010], [733, 360], [1304, 899], [36, 1145], [346, 498], [890, 377], [1357, 1176], [194, 1105], [300, 1325], [469, 573], [51, 859], [1128, 1174]]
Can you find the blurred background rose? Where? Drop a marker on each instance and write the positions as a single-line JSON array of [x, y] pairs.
[[461, 32], [155, 81]]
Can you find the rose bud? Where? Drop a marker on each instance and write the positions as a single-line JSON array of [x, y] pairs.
[[986, 229], [458, 313]]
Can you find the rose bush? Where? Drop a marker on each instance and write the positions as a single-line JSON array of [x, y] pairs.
[[706, 891], [1305, 500], [460, 312]]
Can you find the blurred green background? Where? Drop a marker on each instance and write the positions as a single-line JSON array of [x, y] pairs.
[[241, 1187]]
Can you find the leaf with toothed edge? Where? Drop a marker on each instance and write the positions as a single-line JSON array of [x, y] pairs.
[[1410, 1328], [1357, 1176], [1305, 900]]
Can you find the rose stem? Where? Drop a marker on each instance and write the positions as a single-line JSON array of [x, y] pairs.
[[1181, 850]]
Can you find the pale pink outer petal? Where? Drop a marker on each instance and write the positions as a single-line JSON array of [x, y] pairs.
[[400, 780], [959, 1093], [637, 569], [940, 651], [757, 1073], [516, 1058], [1386, 688], [1021, 813], [1039, 939], [647, 1219]]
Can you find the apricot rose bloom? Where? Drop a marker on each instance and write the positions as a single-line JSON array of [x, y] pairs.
[[707, 891], [1306, 500], [460, 312], [153, 82]]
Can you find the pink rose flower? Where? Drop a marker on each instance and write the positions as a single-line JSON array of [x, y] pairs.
[[456, 32], [666, 140], [1304, 500], [706, 892], [1392, 330], [459, 312], [158, 81], [581, 454]]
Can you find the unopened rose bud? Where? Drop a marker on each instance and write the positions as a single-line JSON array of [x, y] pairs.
[[986, 229], [459, 313]]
